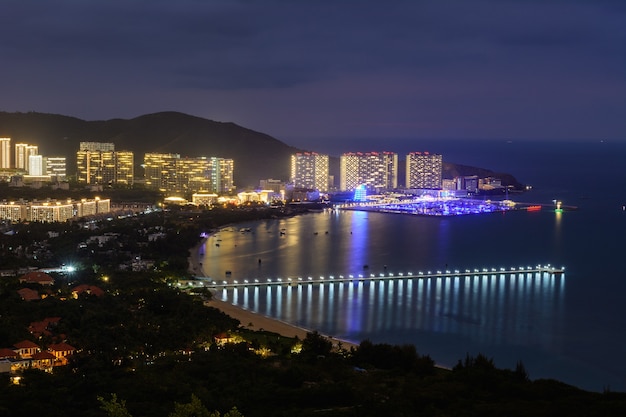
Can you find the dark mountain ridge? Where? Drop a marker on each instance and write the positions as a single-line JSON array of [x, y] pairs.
[[256, 155]]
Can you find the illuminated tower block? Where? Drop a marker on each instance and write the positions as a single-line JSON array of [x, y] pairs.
[[424, 170], [377, 171], [309, 170]]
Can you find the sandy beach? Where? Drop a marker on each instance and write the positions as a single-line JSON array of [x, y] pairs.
[[250, 319]]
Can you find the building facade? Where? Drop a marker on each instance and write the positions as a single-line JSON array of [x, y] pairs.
[[309, 170], [377, 171], [424, 171], [52, 211], [96, 146], [5, 153], [35, 165], [222, 180], [160, 171], [104, 167], [56, 166], [169, 173], [22, 153], [12, 211]]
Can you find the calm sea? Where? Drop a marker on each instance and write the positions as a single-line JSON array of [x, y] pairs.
[[571, 328]]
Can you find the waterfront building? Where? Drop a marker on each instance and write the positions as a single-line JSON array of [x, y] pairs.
[[204, 199], [468, 183], [222, 180], [360, 193], [448, 184], [424, 171], [276, 186], [22, 153], [310, 170], [5, 153], [377, 171]]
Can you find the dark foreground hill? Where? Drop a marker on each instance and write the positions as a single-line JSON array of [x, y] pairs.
[[256, 155]]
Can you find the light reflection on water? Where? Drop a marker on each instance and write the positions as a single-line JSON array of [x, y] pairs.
[[514, 317], [470, 306]]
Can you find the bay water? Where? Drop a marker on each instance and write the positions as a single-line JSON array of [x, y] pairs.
[[570, 327]]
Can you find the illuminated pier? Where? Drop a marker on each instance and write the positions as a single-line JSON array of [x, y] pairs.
[[547, 270]]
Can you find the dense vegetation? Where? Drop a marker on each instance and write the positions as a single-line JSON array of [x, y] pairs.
[[148, 349]]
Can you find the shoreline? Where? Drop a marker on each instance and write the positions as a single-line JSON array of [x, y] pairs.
[[250, 319]]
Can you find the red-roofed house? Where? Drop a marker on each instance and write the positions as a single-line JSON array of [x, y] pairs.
[[87, 289], [26, 348], [42, 328], [61, 351], [6, 353], [28, 295], [43, 360], [37, 277]]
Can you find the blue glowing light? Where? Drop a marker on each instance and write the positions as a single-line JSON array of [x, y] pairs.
[[360, 193]]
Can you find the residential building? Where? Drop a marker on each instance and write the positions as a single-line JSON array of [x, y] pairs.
[[124, 167], [12, 211], [98, 163], [169, 173], [96, 146], [50, 211], [5, 153], [160, 172], [377, 171], [222, 179], [56, 166], [22, 153], [35, 165], [309, 170], [424, 171]]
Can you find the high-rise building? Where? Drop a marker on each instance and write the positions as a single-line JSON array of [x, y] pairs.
[[96, 146], [160, 172], [172, 174], [309, 170], [377, 171], [56, 166], [5, 153], [35, 165], [104, 167], [22, 152], [124, 167], [222, 179], [194, 174], [424, 170]]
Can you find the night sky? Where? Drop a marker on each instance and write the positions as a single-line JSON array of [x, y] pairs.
[[320, 69]]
